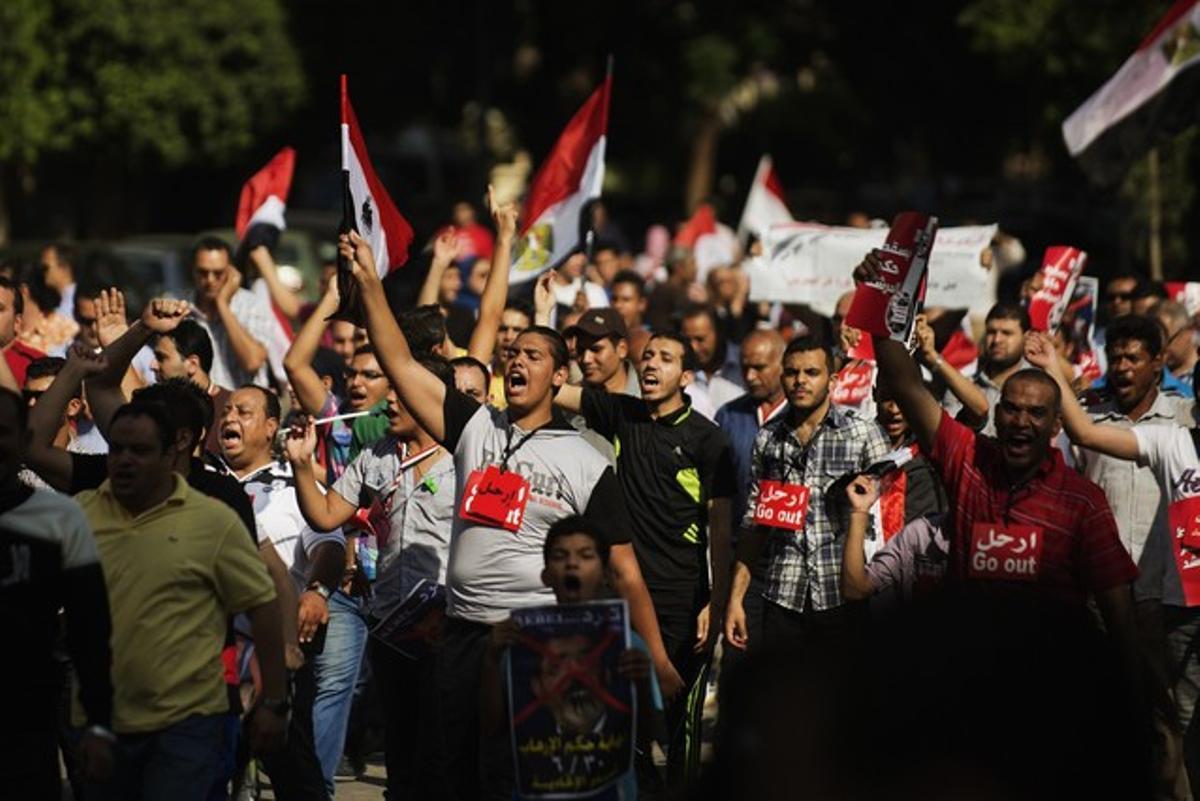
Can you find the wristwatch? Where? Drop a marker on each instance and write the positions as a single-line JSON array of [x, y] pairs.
[[280, 706], [101, 732], [319, 589]]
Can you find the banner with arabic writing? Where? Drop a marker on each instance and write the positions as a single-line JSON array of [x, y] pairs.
[[813, 264], [572, 716]]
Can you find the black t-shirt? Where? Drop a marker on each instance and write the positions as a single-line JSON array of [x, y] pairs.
[[88, 471], [668, 470]]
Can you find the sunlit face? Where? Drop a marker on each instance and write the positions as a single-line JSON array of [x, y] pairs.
[[762, 368], [806, 379], [574, 569], [471, 382], [168, 363], [629, 303], [1026, 422], [890, 418], [701, 334], [9, 319], [209, 272], [600, 358], [512, 323], [400, 422], [661, 372], [1132, 371], [1004, 342], [366, 384], [345, 339], [575, 706], [531, 376], [246, 432], [138, 465]]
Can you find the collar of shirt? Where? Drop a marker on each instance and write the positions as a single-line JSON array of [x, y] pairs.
[[771, 413], [679, 415], [274, 469], [1161, 409], [179, 493]]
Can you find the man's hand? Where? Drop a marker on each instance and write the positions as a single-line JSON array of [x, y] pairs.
[[736, 632], [1040, 352], [706, 634], [293, 657], [543, 298], [301, 442], [362, 261], [110, 316], [233, 282], [504, 216], [163, 315], [633, 665], [850, 338], [503, 635], [86, 362], [926, 343], [445, 248], [267, 730], [862, 493], [869, 269], [669, 680], [313, 613], [95, 755]]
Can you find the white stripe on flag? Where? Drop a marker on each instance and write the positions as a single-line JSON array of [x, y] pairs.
[[366, 210], [270, 212]]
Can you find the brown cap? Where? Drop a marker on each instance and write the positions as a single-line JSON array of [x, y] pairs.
[[603, 322]]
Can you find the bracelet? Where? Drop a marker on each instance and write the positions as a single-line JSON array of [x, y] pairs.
[[319, 589]]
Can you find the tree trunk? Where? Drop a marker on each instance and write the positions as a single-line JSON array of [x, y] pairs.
[[1154, 199], [5, 217], [703, 164]]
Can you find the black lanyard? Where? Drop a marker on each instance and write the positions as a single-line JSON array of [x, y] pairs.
[[805, 454], [510, 449]]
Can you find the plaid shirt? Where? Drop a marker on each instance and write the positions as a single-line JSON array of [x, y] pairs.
[[255, 317], [807, 565]]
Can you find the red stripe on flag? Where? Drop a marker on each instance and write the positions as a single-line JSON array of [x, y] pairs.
[[773, 184], [397, 229], [704, 221], [273, 179], [561, 173], [1180, 8]]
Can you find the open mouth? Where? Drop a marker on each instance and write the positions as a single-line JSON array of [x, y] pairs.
[[516, 380], [650, 380], [230, 436], [1019, 444]]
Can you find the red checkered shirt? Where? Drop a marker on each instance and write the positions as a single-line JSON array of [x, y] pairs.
[[1082, 551]]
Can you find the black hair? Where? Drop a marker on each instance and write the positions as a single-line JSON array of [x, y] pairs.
[[1150, 289], [576, 524], [439, 367], [50, 366], [11, 286], [187, 406], [702, 310], [424, 327], [65, 252], [805, 344], [1009, 311], [1038, 377], [271, 402], [156, 412], [471, 361], [559, 352], [364, 350], [1135, 327], [521, 307], [20, 403], [44, 296], [690, 360], [191, 339], [632, 278], [327, 364], [211, 243]]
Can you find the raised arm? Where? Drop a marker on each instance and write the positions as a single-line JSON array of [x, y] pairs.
[[963, 388], [324, 511], [569, 398], [1118, 442], [284, 298], [903, 377], [445, 250], [54, 464], [249, 352], [111, 325], [855, 582], [421, 392], [495, 291], [298, 361], [543, 299]]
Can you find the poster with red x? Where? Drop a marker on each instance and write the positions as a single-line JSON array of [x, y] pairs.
[[572, 713]]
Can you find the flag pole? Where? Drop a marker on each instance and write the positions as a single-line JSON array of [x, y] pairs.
[[1154, 200]]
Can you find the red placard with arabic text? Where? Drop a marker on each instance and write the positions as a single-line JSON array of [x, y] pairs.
[[1061, 268], [1006, 551], [1183, 517], [495, 498], [781, 505], [888, 308], [854, 384]]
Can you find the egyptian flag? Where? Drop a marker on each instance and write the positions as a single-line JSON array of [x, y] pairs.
[[1154, 96], [764, 205], [368, 209], [260, 220], [553, 217], [712, 243]]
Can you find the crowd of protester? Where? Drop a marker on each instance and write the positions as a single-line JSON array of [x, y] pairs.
[[984, 588]]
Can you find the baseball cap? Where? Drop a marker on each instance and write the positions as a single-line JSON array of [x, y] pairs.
[[603, 322]]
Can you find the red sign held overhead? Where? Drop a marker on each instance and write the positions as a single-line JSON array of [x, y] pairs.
[[888, 307], [1061, 268]]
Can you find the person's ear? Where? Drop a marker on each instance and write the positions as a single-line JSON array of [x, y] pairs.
[[272, 428], [183, 441], [327, 382], [686, 378], [545, 576], [622, 349], [561, 374], [74, 407], [191, 365]]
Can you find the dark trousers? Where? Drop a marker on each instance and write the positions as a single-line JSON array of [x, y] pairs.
[[783, 627], [176, 763], [294, 771], [476, 769], [753, 605], [413, 748], [29, 748]]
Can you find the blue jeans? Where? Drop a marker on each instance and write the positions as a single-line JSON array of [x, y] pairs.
[[335, 671], [178, 763]]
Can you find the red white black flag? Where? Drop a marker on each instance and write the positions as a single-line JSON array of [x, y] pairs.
[[570, 176], [1154, 96], [765, 205], [368, 209]]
